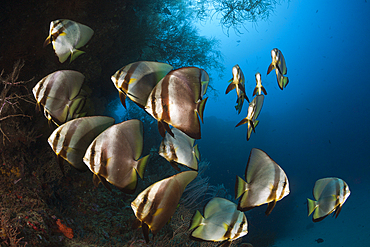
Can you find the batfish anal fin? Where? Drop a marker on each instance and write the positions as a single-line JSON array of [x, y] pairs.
[[145, 232], [61, 166], [122, 97]]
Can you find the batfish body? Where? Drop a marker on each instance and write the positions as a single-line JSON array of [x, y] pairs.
[[114, 155], [278, 63], [266, 182], [330, 195], [180, 149], [238, 83], [254, 110], [60, 95], [222, 221], [177, 100], [155, 206], [67, 36], [137, 80], [259, 89], [71, 140]]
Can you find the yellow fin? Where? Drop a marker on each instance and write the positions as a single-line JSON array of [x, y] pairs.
[[132, 80], [311, 205], [158, 212], [75, 54], [240, 187], [196, 220]]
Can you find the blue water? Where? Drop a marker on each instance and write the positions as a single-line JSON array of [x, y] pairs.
[[318, 125]]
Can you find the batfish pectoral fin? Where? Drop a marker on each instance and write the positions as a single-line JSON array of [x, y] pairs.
[[244, 121], [47, 41], [264, 90], [270, 207], [122, 97], [255, 91], [230, 87], [270, 68], [75, 53]]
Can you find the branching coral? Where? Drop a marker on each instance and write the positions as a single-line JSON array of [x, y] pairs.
[[10, 98]]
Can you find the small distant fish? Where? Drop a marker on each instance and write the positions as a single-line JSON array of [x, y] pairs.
[[238, 41], [237, 82], [259, 88], [67, 36], [136, 80], [177, 100], [167, 11], [155, 206], [330, 195], [221, 222], [180, 149], [114, 156], [254, 110], [71, 140], [278, 63], [266, 182], [61, 96]]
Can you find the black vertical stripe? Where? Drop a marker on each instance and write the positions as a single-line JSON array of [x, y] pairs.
[[155, 115], [165, 99], [273, 193], [68, 137]]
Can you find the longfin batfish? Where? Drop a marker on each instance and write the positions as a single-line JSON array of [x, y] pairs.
[[238, 83], [266, 182], [330, 194], [180, 149], [259, 88], [155, 206], [254, 110], [177, 100], [136, 80], [60, 95], [222, 221], [71, 140], [278, 63], [67, 37], [114, 155]]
